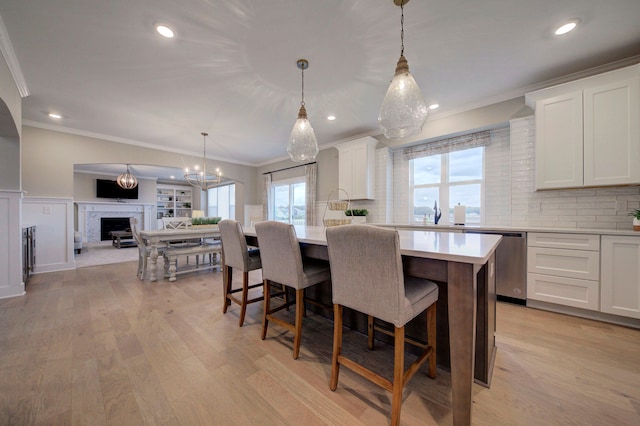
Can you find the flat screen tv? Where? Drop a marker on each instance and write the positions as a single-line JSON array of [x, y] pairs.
[[110, 189]]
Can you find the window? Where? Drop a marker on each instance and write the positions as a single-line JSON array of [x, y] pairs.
[[288, 203], [222, 201], [450, 179]]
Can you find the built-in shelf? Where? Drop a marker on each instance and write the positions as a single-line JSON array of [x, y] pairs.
[[173, 201]]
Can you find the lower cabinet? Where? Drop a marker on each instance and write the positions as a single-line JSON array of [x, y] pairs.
[[620, 279], [564, 269]]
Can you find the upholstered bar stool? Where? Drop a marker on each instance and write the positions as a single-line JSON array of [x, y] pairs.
[[367, 276], [235, 254], [282, 263]]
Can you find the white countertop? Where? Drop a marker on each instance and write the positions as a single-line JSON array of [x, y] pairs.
[[432, 244], [460, 228]]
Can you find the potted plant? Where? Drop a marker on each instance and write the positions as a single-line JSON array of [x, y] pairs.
[[636, 219], [357, 215], [205, 222]]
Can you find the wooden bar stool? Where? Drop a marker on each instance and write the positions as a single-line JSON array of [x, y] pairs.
[[367, 276], [282, 263], [235, 254]]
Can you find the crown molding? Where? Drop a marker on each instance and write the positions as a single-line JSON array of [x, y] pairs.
[[100, 136], [12, 61]]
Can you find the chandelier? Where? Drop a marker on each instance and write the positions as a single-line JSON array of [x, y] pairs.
[[303, 145], [201, 177], [403, 111], [127, 180]]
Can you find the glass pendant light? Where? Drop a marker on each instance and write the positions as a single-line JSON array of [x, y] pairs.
[[303, 145], [127, 180], [403, 111]]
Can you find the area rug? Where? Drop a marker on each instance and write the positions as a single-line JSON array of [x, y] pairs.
[[103, 253]]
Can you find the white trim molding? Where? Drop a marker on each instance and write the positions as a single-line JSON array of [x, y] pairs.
[[12, 61], [11, 284]]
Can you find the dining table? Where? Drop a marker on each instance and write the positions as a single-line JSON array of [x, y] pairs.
[[463, 266], [154, 239]]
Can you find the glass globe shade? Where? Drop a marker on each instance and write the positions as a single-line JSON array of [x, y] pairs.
[[303, 145], [403, 111]]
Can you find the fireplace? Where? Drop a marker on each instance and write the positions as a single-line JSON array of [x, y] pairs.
[[108, 224], [90, 214]]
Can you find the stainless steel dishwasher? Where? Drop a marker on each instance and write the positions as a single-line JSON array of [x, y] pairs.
[[511, 265]]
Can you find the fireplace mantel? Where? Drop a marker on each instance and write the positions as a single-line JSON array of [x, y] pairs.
[[90, 213]]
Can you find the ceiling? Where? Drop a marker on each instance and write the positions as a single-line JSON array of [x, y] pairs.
[[231, 69]]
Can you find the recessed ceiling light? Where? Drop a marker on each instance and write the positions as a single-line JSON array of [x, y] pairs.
[[331, 117], [54, 115], [434, 106], [566, 27], [164, 31], [172, 177]]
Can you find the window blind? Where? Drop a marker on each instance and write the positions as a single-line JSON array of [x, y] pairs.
[[443, 146]]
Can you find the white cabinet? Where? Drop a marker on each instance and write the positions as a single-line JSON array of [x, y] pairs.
[[588, 131], [620, 281], [559, 142], [612, 133], [356, 168], [564, 269], [173, 201]]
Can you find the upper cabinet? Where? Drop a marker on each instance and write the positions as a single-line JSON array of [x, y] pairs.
[[356, 168], [588, 131]]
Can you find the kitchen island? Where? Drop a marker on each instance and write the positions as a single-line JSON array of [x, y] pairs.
[[463, 265]]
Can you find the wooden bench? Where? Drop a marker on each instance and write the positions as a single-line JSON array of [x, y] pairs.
[[118, 236], [171, 254]]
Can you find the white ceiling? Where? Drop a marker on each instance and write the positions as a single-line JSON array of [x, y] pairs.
[[231, 69]]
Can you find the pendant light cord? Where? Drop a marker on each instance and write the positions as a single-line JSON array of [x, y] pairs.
[[204, 156], [302, 102], [402, 28]]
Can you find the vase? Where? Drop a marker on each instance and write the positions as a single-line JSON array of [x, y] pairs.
[[358, 219], [636, 224]]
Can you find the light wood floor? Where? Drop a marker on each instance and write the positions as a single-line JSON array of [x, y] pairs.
[[97, 346]]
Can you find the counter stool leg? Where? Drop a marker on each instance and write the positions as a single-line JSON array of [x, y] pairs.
[[300, 312], [267, 308], [337, 346], [245, 296], [398, 375], [227, 276]]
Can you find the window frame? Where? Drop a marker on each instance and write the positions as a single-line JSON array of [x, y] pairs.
[[232, 200], [286, 182], [444, 187]]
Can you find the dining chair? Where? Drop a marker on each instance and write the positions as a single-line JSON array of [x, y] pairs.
[[283, 263], [143, 251], [176, 222], [367, 276], [235, 254]]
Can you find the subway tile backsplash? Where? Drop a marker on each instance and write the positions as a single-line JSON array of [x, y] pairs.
[[600, 208], [509, 198]]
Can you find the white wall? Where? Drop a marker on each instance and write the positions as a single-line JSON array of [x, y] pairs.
[[53, 219], [84, 188], [49, 157]]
